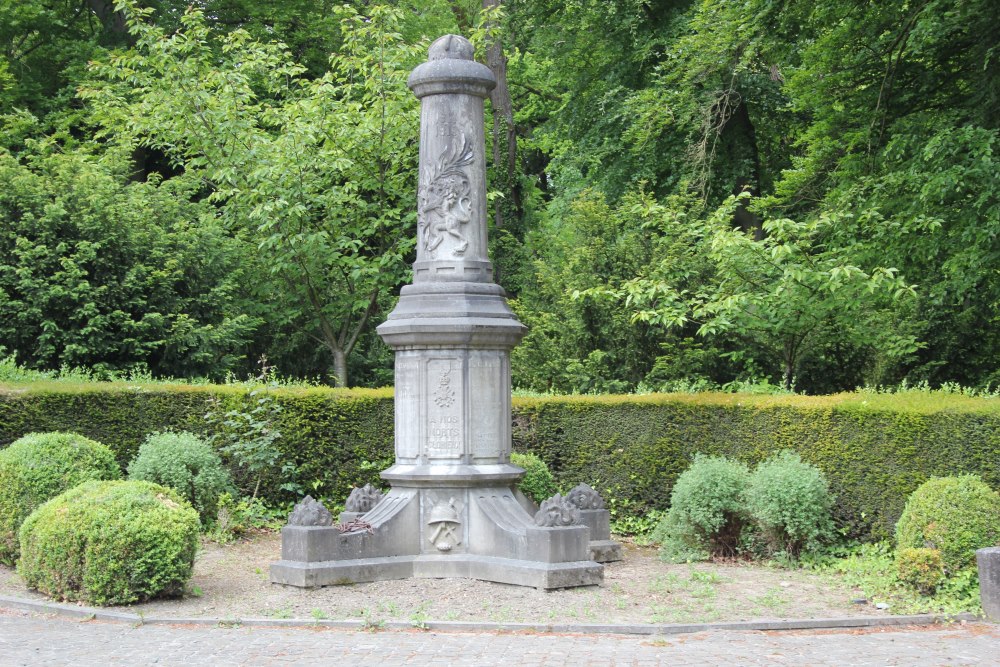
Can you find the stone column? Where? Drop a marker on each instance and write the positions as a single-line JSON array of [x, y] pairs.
[[452, 330], [453, 509]]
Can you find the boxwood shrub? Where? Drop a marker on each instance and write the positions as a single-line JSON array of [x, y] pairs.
[[188, 465], [953, 515], [538, 482], [110, 543], [707, 511], [39, 466]]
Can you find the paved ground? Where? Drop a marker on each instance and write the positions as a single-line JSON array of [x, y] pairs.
[[32, 639]]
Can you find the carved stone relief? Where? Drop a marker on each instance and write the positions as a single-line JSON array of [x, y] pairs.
[[584, 497], [445, 526], [445, 200], [557, 511], [310, 512], [363, 499]]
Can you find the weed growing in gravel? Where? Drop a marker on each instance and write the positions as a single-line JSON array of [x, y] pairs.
[[419, 617], [773, 599]]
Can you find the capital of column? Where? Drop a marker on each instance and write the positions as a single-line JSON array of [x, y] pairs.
[[450, 69]]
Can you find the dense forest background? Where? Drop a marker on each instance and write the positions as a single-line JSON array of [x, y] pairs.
[[685, 195]]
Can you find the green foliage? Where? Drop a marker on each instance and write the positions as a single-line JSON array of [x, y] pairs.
[[638, 526], [790, 502], [921, 568], [110, 543], [188, 465], [784, 290], [707, 511], [318, 172], [954, 515], [239, 517], [248, 435], [103, 272], [39, 466], [537, 483], [874, 570], [874, 448]]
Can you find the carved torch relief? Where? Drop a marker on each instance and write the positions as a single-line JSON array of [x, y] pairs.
[[445, 200]]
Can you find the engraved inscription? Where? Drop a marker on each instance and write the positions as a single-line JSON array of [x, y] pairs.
[[444, 409], [445, 199], [485, 381], [447, 129], [407, 407]]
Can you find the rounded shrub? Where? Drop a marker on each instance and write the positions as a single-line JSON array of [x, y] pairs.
[[790, 501], [110, 543], [707, 511], [538, 482], [921, 568], [38, 467], [955, 515], [185, 463]]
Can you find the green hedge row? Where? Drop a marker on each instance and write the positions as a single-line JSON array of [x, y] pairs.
[[874, 449]]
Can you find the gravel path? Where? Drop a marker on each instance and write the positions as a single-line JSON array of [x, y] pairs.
[[231, 581]]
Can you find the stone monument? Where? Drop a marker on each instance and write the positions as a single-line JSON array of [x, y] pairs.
[[453, 509]]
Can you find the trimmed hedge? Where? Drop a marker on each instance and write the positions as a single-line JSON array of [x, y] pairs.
[[874, 449]]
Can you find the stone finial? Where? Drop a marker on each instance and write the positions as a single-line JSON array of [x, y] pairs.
[[363, 499], [557, 511], [310, 512], [454, 47], [584, 497]]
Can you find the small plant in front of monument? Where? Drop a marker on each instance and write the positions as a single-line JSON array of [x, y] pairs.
[[921, 568], [38, 467], [638, 526], [187, 464], [249, 436], [538, 482], [236, 517], [901, 579], [110, 543], [707, 511], [790, 502]]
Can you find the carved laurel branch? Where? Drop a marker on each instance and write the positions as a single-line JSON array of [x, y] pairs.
[[451, 162]]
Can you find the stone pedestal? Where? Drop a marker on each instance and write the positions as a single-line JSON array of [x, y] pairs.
[[988, 561], [601, 547], [453, 509]]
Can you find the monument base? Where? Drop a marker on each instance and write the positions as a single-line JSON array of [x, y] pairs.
[[434, 531], [486, 568]]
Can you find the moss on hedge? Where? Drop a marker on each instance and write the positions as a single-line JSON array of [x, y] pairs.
[[875, 449]]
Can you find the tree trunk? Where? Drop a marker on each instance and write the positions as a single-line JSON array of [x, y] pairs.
[[339, 368], [504, 132]]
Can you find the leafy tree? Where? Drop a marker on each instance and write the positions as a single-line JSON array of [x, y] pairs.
[[318, 172], [106, 274], [782, 292]]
